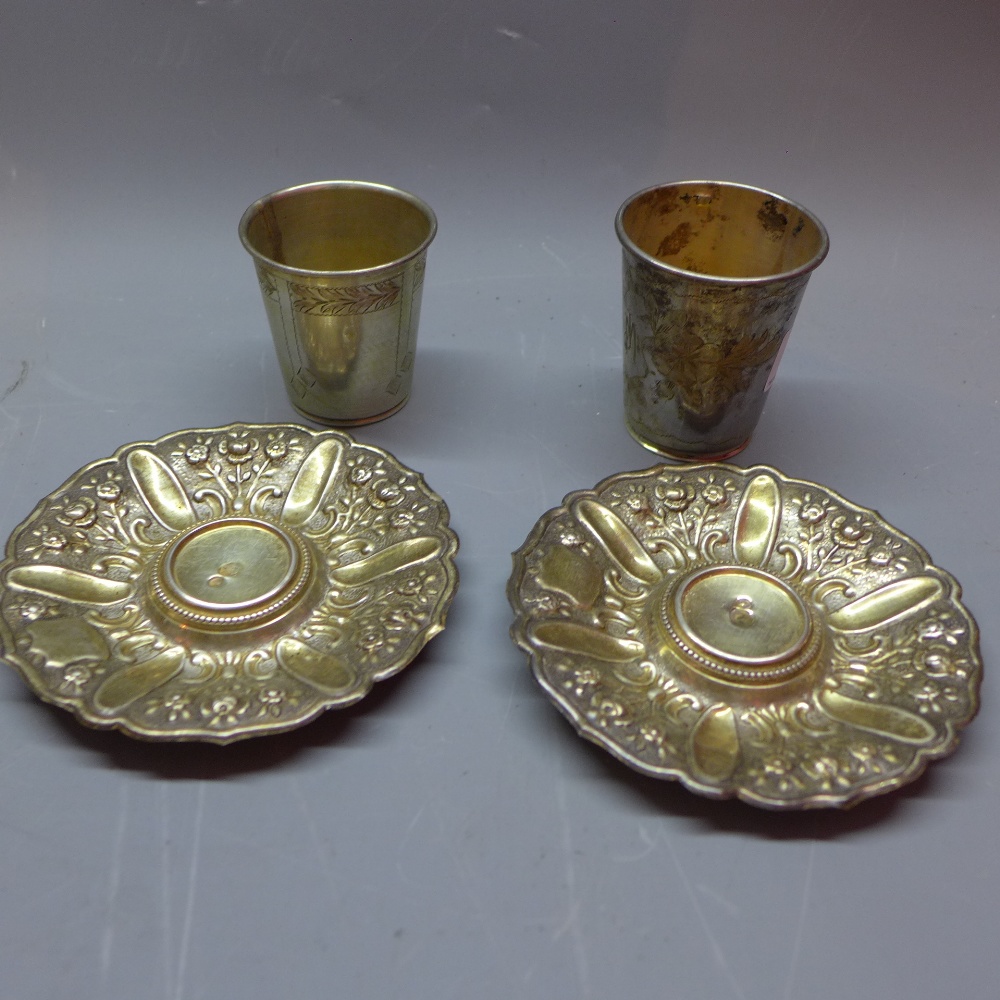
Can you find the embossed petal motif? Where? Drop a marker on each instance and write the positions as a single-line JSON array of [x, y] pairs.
[[225, 583], [747, 634]]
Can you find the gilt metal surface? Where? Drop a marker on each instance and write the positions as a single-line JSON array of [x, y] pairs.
[[713, 275], [341, 266], [224, 583], [745, 633]]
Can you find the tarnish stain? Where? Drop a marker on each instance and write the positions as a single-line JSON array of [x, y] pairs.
[[676, 241], [774, 221]]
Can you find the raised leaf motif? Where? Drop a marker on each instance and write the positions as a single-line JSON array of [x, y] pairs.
[[161, 490], [894, 600], [571, 637], [325, 671], [757, 522], [312, 481], [615, 537], [715, 744], [392, 559], [888, 720], [69, 584], [125, 686]]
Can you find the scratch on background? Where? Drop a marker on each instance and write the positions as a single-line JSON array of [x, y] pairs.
[[717, 953], [182, 956], [650, 843], [167, 922], [517, 36], [793, 962], [403, 842], [572, 921], [322, 855], [114, 882], [559, 260]]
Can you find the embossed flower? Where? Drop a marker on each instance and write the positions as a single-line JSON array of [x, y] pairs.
[[651, 734], [109, 491], [396, 619], [276, 448], [386, 494], [197, 454], [938, 664], [605, 710], [223, 711], [271, 700], [887, 554], [810, 511], [75, 680], [376, 641], [825, 771], [55, 541], [371, 639], [237, 448], [571, 538], [931, 698], [851, 530], [32, 611], [547, 602], [410, 585], [865, 758], [675, 497], [777, 770], [581, 680], [402, 519], [938, 629], [635, 498], [81, 513], [177, 706], [714, 495], [360, 475]]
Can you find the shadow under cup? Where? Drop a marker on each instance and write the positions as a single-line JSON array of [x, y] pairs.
[[341, 266], [714, 273]]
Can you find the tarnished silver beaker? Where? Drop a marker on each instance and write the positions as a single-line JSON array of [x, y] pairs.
[[713, 275], [341, 267]]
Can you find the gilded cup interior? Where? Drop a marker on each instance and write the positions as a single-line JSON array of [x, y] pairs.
[[722, 230], [337, 226]]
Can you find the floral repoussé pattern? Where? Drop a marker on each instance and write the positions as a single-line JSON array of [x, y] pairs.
[[80, 619], [875, 676]]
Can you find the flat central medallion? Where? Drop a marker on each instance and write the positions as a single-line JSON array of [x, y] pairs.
[[740, 623], [233, 573]]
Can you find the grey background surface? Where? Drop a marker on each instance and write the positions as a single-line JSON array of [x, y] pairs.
[[450, 836]]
